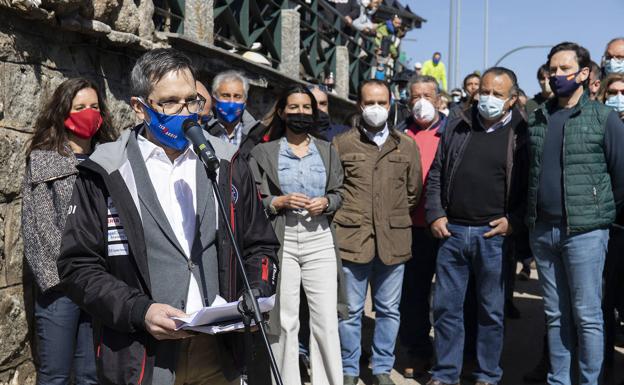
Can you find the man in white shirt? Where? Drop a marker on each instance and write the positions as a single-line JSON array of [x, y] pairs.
[[142, 246], [382, 184], [231, 121]]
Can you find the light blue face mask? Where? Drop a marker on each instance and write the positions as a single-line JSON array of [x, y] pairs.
[[614, 66], [490, 107], [616, 101]]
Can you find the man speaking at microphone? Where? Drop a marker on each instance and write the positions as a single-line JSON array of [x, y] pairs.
[[144, 241]]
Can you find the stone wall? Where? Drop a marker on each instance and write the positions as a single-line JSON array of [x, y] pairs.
[[42, 43], [40, 48]]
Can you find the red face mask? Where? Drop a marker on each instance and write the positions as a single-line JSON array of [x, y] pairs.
[[84, 123]]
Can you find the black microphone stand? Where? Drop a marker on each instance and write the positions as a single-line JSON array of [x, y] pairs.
[[248, 307]]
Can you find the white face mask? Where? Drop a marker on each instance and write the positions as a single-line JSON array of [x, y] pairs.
[[375, 115], [616, 101], [491, 107], [423, 111]]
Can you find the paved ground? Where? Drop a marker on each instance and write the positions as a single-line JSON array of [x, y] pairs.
[[523, 340]]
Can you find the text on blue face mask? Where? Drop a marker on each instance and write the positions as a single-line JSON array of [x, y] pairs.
[[167, 129]]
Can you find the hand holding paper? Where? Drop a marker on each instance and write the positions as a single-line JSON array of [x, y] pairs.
[[221, 317]]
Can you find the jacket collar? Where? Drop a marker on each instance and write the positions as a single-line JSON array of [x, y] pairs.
[[269, 153], [110, 156], [247, 120], [47, 165], [552, 105]]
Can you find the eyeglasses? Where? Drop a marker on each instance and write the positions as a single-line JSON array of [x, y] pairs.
[[174, 108]]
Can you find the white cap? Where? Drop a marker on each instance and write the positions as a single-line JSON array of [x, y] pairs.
[[418, 65]]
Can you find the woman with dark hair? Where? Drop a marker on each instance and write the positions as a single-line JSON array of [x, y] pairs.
[[67, 128], [299, 176]]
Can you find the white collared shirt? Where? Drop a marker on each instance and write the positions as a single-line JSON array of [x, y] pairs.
[[500, 124], [379, 137], [176, 188]]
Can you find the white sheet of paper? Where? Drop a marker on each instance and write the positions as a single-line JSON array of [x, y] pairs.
[[219, 312]]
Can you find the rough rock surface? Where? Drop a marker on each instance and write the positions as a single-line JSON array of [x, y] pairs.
[[43, 43]]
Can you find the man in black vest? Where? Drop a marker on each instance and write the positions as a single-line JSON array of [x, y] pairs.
[[474, 201], [141, 243], [576, 185]]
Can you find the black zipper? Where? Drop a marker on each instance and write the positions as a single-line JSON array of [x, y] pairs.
[[460, 153]]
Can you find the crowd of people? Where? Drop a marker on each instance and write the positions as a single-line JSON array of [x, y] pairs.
[[361, 16], [122, 229]]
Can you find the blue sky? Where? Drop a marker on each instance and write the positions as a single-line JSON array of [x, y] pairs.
[[513, 24]]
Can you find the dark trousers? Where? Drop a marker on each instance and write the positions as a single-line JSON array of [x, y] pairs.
[[613, 290], [64, 341], [419, 271]]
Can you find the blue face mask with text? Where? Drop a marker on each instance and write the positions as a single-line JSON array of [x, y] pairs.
[[167, 129], [229, 111]]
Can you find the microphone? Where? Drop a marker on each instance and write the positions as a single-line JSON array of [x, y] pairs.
[[195, 134]]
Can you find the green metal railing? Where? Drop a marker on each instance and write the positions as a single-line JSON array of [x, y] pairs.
[[241, 23], [322, 30], [169, 15], [255, 25]]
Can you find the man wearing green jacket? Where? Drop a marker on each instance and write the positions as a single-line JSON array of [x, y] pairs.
[[576, 185], [434, 67]]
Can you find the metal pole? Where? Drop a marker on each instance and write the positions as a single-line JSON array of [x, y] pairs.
[[457, 54], [450, 59], [485, 36], [519, 49]]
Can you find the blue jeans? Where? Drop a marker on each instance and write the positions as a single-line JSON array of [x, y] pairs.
[[464, 252], [570, 271], [419, 271], [64, 341], [386, 282]]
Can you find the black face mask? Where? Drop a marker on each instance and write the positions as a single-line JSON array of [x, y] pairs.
[[323, 120], [300, 123]]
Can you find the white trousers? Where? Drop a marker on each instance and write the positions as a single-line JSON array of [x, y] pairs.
[[309, 258]]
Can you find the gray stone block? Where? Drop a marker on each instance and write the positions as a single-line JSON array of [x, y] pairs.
[[23, 89], [12, 157], [14, 345], [146, 23], [199, 20], [101, 10], [126, 17], [13, 245], [342, 72], [23, 375], [290, 40]]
